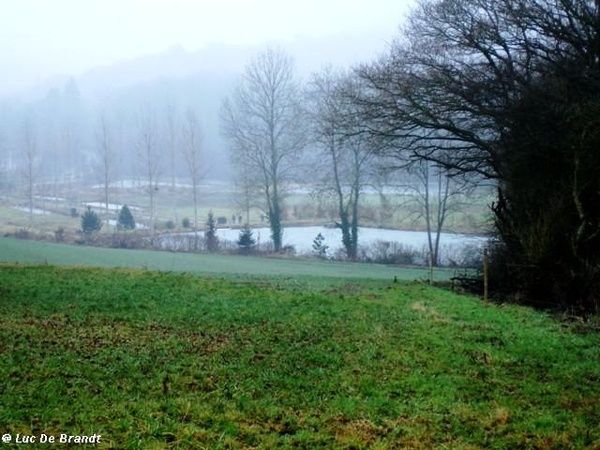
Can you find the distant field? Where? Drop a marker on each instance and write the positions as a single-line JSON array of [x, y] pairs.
[[470, 215], [154, 360], [36, 252]]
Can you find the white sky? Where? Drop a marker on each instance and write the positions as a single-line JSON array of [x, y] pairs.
[[41, 38]]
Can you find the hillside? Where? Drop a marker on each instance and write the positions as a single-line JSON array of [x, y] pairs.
[[161, 360]]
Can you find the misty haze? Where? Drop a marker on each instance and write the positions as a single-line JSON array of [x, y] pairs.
[[327, 224], [149, 132]]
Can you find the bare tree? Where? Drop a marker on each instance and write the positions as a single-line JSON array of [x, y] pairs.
[[171, 134], [30, 162], [148, 150], [191, 140], [246, 192], [4, 161], [105, 154], [435, 193], [345, 158], [69, 142], [262, 121], [512, 88]]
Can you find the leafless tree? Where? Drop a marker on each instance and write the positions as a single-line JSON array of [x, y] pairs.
[[149, 155], [69, 141], [511, 88], [435, 194], [105, 154], [30, 162], [262, 122], [171, 135], [345, 158], [247, 192], [191, 144]]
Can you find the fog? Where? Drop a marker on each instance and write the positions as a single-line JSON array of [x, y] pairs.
[[67, 62], [41, 39]]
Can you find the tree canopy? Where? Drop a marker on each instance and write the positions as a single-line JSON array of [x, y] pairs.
[[263, 125], [508, 92]]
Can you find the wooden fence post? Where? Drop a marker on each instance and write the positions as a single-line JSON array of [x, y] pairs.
[[430, 269], [486, 275]]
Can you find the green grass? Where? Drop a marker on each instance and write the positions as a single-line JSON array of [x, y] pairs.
[[153, 360], [32, 252]]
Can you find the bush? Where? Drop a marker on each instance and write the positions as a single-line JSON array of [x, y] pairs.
[[126, 220], [90, 222], [185, 223], [127, 240], [59, 234], [22, 233], [211, 241], [385, 252], [319, 247], [246, 241], [170, 225]]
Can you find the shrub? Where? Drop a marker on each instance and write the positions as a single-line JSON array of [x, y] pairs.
[[22, 233], [59, 234], [211, 241], [319, 247], [185, 223], [90, 222], [170, 225], [246, 240], [126, 220], [126, 240], [385, 252]]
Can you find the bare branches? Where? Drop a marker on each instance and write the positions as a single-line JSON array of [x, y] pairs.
[[262, 122], [461, 66], [345, 157], [30, 161], [191, 144], [148, 150], [105, 152]]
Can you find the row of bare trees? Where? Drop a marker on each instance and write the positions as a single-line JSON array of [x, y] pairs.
[[153, 140], [280, 132], [503, 92], [183, 137]]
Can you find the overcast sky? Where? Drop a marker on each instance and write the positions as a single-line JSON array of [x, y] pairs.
[[42, 38]]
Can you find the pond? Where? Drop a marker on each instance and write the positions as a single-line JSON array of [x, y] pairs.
[[301, 239]]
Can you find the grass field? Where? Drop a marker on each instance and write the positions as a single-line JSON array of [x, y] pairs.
[[156, 360], [37, 252]]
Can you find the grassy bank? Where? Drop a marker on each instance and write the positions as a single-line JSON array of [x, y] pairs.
[[155, 360], [38, 252]]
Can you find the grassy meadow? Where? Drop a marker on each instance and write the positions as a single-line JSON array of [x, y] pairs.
[[163, 360], [41, 252]]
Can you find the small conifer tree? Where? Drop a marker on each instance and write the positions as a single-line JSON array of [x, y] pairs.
[[90, 222], [246, 240], [126, 220], [319, 248], [211, 241]]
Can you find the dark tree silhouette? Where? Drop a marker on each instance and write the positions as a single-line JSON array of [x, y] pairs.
[[506, 92]]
